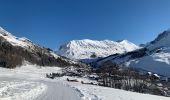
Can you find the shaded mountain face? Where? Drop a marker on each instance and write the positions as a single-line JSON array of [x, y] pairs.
[[154, 56], [14, 51], [92, 49], [163, 40]]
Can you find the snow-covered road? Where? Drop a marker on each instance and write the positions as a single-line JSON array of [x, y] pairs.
[[23, 89], [58, 91]]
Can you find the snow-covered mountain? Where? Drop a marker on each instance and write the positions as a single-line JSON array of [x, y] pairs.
[[163, 40], [154, 57], [15, 41], [14, 51], [90, 49]]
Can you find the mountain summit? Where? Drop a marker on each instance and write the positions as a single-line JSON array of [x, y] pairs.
[[163, 40], [89, 49]]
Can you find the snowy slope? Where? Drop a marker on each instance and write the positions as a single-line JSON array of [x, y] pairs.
[[156, 62], [163, 40], [85, 49], [103, 93], [154, 57], [29, 83]]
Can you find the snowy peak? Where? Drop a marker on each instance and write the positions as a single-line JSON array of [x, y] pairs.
[[24, 39], [163, 40], [15, 41], [3, 32], [87, 49], [129, 46]]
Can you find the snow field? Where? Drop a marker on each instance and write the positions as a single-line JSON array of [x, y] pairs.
[[29, 83], [20, 90]]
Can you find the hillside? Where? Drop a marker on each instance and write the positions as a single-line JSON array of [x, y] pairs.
[[14, 51], [154, 57]]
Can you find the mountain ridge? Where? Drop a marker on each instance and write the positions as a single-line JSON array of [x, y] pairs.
[[86, 48], [14, 51]]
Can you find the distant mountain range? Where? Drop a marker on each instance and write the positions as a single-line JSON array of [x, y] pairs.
[[92, 49], [153, 56]]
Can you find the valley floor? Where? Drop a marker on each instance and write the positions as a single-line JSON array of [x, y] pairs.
[[29, 83]]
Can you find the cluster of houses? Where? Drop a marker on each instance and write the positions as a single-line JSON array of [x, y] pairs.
[[157, 77], [69, 71]]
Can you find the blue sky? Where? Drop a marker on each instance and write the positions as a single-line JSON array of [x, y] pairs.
[[51, 23]]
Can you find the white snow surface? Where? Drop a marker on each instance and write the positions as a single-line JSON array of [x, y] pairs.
[[157, 62], [104, 93], [20, 90], [84, 49], [29, 83]]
